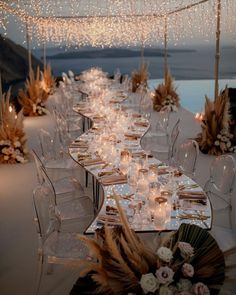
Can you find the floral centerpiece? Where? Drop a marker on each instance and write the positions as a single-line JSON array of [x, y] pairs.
[[12, 137], [140, 77], [185, 262], [165, 96], [34, 97], [215, 137]]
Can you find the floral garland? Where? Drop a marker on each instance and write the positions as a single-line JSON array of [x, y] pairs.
[[165, 97], [187, 262], [34, 97], [215, 137], [12, 137]]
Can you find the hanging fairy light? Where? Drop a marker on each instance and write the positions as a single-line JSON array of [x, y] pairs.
[[118, 22]]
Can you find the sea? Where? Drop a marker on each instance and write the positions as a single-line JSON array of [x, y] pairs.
[[193, 71]]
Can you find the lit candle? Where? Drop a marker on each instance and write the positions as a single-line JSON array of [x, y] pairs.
[[10, 108], [143, 184], [160, 212], [152, 173], [125, 161]]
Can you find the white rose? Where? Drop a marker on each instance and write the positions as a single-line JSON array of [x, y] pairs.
[[6, 158], [165, 254], [5, 151], [186, 250], [224, 138], [184, 285], [17, 143], [228, 144], [164, 290], [217, 143], [149, 283]]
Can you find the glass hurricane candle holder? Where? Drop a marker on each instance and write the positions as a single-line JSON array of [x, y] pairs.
[[143, 183], [125, 159], [159, 216]]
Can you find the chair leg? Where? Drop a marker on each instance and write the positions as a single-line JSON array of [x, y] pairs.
[[49, 268], [39, 274], [86, 178]]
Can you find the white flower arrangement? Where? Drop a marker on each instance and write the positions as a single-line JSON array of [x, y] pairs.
[[224, 142], [12, 137], [163, 281], [12, 151], [169, 104]]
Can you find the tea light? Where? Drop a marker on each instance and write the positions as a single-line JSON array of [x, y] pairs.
[[152, 173], [154, 192], [143, 183], [159, 216], [125, 159], [199, 116]]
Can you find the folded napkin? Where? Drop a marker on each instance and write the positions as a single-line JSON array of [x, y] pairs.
[[136, 115], [104, 173], [79, 144], [141, 124], [108, 219], [115, 100], [134, 136], [91, 162], [114, 179], [162, 171], [192, 195]]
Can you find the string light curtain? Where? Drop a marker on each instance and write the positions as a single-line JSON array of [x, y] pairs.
[[119, 22]]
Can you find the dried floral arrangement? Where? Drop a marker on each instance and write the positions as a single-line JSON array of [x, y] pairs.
[[185, 262], [215, 137], [12, 137], [33, 98], [140, 77], [165, 96], [48, 83]]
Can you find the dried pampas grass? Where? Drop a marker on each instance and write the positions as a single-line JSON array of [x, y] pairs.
[[140, 77], [165, 96], [215, 138], [12, 137], [48, 83], [33, 98]]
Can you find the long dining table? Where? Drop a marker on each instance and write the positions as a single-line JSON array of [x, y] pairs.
[[162, 199]]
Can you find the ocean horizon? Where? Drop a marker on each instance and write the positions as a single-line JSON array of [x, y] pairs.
[[193, 71]]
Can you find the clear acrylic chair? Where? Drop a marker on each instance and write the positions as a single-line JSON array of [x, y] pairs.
[[162, 123], [164, 146], [75, 212], [63, 186], [55, 247], [186, 156], [52, 155], [219, 188]]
